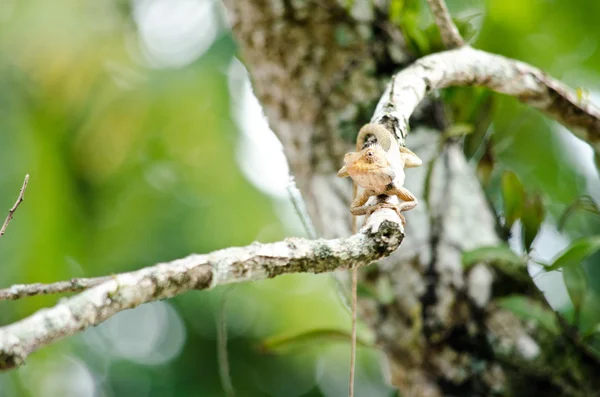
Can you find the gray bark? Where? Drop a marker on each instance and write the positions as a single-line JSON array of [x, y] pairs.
[[319, 69]]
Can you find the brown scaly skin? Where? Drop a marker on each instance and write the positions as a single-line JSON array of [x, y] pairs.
[[379, 170]]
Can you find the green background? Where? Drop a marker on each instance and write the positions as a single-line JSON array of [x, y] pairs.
[[136, 157]]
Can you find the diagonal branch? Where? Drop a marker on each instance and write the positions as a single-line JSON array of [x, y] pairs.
[[467, 66], [11, 212], [379, 238], [450, 35]]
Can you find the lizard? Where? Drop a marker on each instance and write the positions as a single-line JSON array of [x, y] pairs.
[[378, 168]]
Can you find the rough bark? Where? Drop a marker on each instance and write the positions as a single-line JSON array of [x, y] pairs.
[[467, 66], [318, 69], [380, 237]]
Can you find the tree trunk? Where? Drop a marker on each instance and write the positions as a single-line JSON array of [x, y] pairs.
[[319, 69]]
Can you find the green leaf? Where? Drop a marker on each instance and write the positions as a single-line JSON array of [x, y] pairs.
[[592, 332], [576, 253], [364, 291], [480, 114], [513, 196], [527, 309], [286, 343], [498, 254], [396, 7], [532, 216], [585, 203], [415, 34], [458, 129], [485, 166], [466, 25], [385, 290], [406, 14], [576, 283], [589, 317], [583, 94]]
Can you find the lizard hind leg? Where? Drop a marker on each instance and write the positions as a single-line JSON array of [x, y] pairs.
[[367, 210], [410, 201], [360, 201]]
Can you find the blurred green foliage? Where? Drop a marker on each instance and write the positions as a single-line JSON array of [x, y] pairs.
[[133, 163]]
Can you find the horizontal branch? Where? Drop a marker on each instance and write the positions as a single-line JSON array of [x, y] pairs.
[[467, 66], [379, 238]]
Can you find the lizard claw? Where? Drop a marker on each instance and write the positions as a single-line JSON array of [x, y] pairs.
[[395, 207], [367, 210]]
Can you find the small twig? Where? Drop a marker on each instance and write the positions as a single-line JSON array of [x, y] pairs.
[[353, 337], [11, 213], [354, 307], [19, 291], [450, 35], [222, 357], [300, 207]]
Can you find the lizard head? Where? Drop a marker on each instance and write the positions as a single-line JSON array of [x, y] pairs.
[[369, 168], [372, 157]]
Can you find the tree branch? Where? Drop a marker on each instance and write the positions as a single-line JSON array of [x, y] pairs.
[[11, 212], [462, 66], [19, 291], [450, 35], [379, 238], [467, 66]]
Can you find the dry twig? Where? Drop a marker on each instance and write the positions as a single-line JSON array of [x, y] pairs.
[[19, 291], [450, 35], [11, 212]]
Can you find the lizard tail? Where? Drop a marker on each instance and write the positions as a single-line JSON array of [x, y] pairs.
[[385, 138], [354, 308]]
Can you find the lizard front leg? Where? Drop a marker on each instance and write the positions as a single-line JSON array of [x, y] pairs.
[[360, 200], [410, 201], [359, 206]]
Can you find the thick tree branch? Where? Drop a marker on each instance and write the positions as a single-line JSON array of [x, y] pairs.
[[448, 30], [11, 212], [379, 238], [451, 185], [470, 67]]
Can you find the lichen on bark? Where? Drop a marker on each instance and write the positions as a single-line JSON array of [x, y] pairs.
[[319, 69]]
